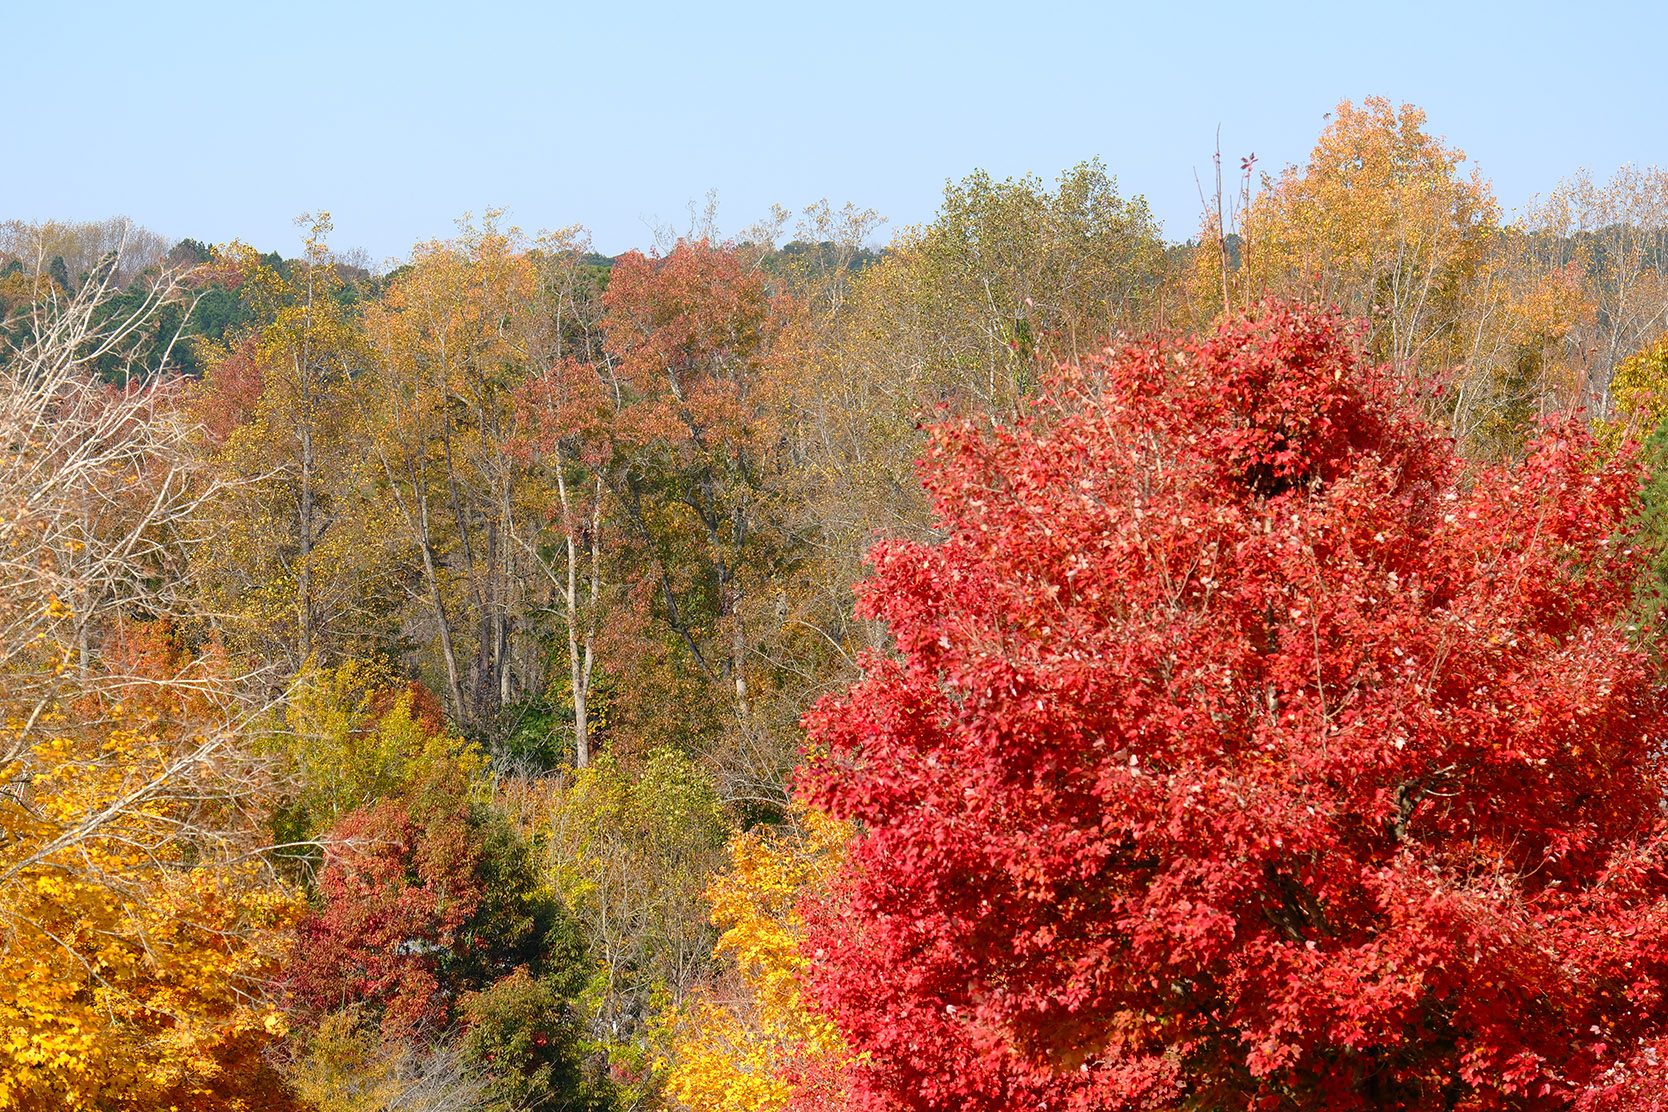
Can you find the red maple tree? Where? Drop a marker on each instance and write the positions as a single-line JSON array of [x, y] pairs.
[[423, 900], [397, 888], [1243, 749]]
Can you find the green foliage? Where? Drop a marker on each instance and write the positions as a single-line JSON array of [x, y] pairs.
[[218, 315], [189, 252], [1652, 536], [630, 849], [537, 736], [519, 920], [526, 1039], [534, 743]]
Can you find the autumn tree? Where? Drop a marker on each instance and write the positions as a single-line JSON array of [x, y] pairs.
[[426, 897], [141, 928], [1010, 276], [457, 333], [299, 554], [752, 1046], [1241, 750], [351, 736], [1380, 222], [82, 246], [1526, 354], [1639, 392], [1616, 234], [690, 337], [526, 1041], [1009, 270], [565, 415], [345, 1065], [139, 925]]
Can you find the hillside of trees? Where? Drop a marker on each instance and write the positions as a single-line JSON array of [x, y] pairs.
[[1035, 664]]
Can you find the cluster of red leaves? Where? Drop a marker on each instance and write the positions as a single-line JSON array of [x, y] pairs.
[[689, 333], [228, 397], [1638, 1084], [1243, 751], [398, 885]]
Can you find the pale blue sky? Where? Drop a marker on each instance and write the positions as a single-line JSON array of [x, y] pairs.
[[226, 120]]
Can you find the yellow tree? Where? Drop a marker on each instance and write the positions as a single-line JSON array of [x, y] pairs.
[[1564, 297], [1380, 222], [141, 933], [356, 733], [751, 1052]]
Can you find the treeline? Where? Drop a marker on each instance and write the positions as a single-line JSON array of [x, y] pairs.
[[394, 661]]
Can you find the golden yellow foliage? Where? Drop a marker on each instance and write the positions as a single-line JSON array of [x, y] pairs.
[[1381, 223], [731, 1057], [128, 977], [140, 933]]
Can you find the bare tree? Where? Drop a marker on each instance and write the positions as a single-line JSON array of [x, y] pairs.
[[83, 245]]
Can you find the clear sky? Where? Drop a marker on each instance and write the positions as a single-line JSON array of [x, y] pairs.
[[226, 120]]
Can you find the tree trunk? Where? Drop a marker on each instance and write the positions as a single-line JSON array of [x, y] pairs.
[[425, 541]]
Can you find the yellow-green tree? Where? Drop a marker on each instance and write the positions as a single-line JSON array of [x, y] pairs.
[[300, 552], [1010, 276], [630, 848], [1526, 329], [356, 733], [963, 313]]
